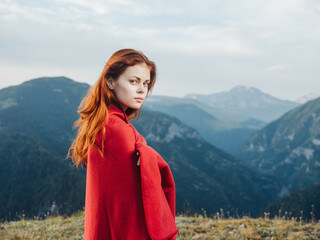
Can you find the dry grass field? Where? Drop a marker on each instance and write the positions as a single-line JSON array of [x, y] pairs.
[[190, 227]]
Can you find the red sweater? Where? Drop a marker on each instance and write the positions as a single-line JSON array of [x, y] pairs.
[[125, 201]]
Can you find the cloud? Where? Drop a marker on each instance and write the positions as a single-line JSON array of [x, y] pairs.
[[123, 7], [10, 76], [278, 67], [193, 39], [230, 41]]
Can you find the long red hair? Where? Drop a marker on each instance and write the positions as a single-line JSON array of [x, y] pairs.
[[94, 106]]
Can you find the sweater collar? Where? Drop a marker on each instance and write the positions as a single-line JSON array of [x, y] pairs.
[[113, 109]]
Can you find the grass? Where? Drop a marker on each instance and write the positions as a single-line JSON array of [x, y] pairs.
[[191, 227]]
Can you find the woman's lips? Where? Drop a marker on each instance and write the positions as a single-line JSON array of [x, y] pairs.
[[139, 99]]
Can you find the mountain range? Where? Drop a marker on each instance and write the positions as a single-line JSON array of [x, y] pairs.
[[225, 130], [225, 119], [37, 117], [36, 120], [248, 101], [205, 176], [288, 147]]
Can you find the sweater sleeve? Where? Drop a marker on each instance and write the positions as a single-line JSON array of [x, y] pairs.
[[166, 182]]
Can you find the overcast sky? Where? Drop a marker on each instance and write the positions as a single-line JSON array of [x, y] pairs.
[[199, 46]]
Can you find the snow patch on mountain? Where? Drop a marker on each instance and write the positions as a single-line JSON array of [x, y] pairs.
[[307, 152], [250, 147], [316, 141], [288, 160], [261, 148], [291, 136], [173, 131]]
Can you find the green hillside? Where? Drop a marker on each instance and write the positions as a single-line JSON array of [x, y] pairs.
[[32, 178], [304, 203]]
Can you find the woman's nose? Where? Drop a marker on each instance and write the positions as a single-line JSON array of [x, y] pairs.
[[141, 88]]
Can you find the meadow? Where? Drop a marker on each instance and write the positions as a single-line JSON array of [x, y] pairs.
[[198, 226]]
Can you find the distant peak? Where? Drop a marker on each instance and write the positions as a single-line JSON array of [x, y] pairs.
[[53, 78], [48, 79], [242, 88], [308, 97]]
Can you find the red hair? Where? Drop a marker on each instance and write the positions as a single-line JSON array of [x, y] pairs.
[[94, 106]]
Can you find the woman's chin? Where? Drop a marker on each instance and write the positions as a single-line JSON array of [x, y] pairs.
[[135, 106]]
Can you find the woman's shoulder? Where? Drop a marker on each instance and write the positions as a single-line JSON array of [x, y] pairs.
[[115, 122], [118, 136], [118, 128]]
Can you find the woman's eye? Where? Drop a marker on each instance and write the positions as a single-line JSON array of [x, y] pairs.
[[134, 81]]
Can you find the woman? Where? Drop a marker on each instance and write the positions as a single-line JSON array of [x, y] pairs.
[[130, 192]]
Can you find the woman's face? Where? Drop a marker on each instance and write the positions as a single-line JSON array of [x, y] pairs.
[[132, 84]]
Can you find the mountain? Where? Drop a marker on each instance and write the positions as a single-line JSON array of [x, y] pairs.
[[299, 203], [205, 176], [37, 117], [247, 101], [225, 130], [44, 108], [36, 120], [288, 147]]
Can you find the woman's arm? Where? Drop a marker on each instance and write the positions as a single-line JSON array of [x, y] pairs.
[[138, 136]]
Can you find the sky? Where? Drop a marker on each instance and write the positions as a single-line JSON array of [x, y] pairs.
[[199, 46]]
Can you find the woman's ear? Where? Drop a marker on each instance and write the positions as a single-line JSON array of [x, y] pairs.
[[110, 83]]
